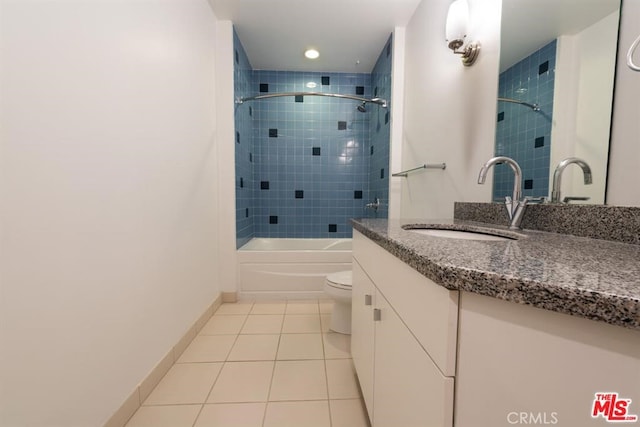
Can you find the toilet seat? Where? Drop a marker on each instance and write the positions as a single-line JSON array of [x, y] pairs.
[[340, 280]]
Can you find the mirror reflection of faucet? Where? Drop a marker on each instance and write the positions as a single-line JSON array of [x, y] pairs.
[[557, 178]]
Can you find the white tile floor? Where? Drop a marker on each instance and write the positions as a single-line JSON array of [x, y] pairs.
[[263, 364]]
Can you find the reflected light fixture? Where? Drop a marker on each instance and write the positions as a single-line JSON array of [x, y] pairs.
[[457, 30], [311, 53]]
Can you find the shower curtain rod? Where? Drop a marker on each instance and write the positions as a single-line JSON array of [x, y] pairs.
[[534, 107], [381, 102]]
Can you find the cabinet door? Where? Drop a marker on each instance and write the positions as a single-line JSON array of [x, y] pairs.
[[362, 332], [525, 365], [410, 391]]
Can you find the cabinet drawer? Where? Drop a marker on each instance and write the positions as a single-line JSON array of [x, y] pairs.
[[429, 310]]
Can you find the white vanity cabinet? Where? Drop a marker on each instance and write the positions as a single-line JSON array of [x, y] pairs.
[[362, 332], [404, 342], [513, 364]]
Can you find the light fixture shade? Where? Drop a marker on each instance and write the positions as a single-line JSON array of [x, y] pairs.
[[457, 22]]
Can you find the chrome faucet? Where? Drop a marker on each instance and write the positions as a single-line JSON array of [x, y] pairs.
[[374, 205], [515, 206], [557, 176]]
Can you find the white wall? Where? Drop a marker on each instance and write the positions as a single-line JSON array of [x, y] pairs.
[[225, 98], [624, 161], [450, 110], [109, 198], [582, 106]]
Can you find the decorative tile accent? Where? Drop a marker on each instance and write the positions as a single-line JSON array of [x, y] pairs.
[[273, 219], [264, 87], [246, 213], [273, 133], [333, 228], [371, 150], [359, 90], [299, 98], [250, 157], [375, 92], [382, 173], [299, 194], [241, 182], [342, 125], [543, 68], [236, 56], [357, 194], [389, 48], [264, 185], [325, 80], [237, 137], [501, 116], [250, 111], [386, 118], [315, 151], [539, 142], [528, 184]]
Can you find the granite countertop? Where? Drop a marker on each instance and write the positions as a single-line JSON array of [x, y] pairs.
[[590, 278]]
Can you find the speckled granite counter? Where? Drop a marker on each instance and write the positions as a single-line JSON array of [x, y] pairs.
[[595, 279]]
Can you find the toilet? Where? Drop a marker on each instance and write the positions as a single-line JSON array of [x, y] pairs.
[[338, 287]]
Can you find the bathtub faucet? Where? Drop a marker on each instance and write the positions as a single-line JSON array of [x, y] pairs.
[[515, 204], [374, 205]]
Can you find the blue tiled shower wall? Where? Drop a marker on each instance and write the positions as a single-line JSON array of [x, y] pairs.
[[379, 131], [521, 133], [245, 182], [306, 165]]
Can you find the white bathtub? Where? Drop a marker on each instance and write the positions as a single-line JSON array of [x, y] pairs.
[[289, 268]]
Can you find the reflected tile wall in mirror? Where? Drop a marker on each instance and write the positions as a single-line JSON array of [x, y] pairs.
[[522, 133]]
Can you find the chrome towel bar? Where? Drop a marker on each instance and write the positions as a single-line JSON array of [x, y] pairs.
[[424, 166]]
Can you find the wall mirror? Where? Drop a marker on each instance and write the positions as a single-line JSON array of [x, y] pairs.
[[555, 94]]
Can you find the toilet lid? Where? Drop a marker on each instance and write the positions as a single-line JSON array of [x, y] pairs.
[[341, 279]]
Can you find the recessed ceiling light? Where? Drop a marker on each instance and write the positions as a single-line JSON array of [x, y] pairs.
[[311, 53]]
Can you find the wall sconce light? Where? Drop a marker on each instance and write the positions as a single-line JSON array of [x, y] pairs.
[[456, 32]]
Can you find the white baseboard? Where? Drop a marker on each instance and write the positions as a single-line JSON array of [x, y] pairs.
[[146, 386]]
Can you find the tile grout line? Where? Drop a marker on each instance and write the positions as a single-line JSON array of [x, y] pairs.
[[273, 370], [324, 360], [223, 365]]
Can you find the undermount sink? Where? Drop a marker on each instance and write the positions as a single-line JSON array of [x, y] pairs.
[[435, 231]]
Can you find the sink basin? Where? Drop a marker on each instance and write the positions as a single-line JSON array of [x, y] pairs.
[[462, 232], [457, 234]]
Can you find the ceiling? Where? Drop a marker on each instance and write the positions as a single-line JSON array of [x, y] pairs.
[[350, 34], [528, 25]]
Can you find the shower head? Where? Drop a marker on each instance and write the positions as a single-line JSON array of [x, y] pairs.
[[362, 107]]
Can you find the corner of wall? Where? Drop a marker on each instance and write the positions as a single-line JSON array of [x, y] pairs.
[[397, 121], [226, 157]]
